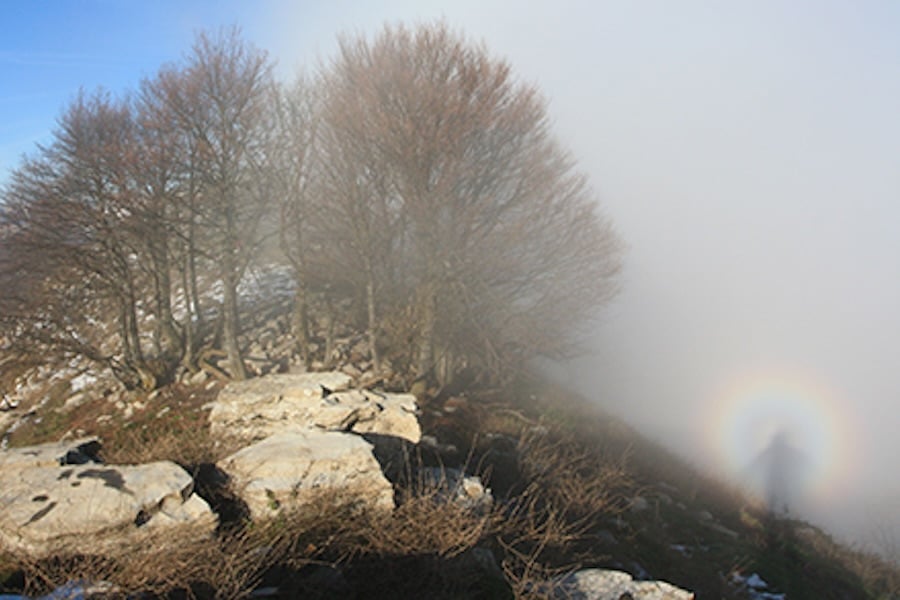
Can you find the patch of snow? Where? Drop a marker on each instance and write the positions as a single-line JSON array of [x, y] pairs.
[[267, 282], [756, 582], [217, 291], [81, 381]]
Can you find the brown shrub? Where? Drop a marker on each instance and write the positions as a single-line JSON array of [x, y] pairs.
[[427, 522]]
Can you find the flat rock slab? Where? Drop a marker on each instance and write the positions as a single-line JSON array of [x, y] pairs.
[[364, 411], [53, 454], [257, 408], [287, 470], [603, 584], [91, 507]]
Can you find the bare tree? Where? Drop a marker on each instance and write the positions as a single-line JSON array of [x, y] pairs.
[[431, 142], [358, 218], [72, 212], [415, 173], [169, 180], [291, 167], [221, 101], [157, 169]]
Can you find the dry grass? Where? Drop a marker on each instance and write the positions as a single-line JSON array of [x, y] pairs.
[[229, 565], [181, 434], [876, 573], [569, 489], [580, 481], [534, 542], [569, 484], [565, 493], [187, 443], [232, 564], [427, 523]]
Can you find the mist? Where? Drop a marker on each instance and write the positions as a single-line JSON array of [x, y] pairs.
[[748, 156]]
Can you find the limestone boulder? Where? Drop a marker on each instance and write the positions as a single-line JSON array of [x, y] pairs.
[[289, 469], [50, 504], [364, 411], [257, 408], [603, 584], [53, 454]]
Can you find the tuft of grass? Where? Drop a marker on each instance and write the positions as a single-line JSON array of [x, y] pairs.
[[231, 565], [428, 522], [583, 482], [180, 434], [49, 424]]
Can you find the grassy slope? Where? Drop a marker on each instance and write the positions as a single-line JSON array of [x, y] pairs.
[[673, 540], [565, 474]]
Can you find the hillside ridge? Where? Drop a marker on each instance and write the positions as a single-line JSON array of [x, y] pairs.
[[598, 494]]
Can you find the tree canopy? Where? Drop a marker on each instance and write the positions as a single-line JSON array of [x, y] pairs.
[[412, 175]]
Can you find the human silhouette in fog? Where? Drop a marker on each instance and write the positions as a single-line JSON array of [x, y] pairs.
[[783, 468]]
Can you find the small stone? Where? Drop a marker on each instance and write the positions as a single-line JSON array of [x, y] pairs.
[[74, 402], [602, 584], [351, 370], [454, 486], [639, 504]]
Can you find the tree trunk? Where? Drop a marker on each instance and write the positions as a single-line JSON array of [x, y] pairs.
[[372, 325], [167, 340], [427, 320], [330, 318], [190, 344], [133, 353], [171, 340], [133, 371], [125, 333], [300, 325], [192, 294], [231, 329]]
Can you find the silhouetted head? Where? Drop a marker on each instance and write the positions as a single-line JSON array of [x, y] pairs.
[[780, 439]]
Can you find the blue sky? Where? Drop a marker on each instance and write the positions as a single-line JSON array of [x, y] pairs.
[[748, 152], [49, 49]]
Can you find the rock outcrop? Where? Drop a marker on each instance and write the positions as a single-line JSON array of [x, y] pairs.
[[54, 497], [254, 409], [288, 469], [603, 584], [53, 454]]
